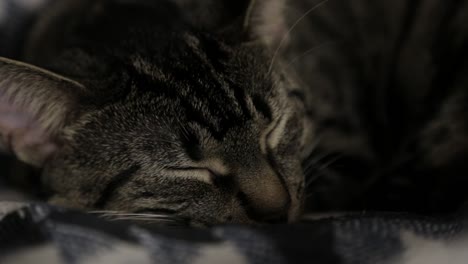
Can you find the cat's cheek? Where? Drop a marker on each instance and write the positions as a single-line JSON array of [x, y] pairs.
[[297, 204], [296, 187], [295, 213], [217, 209], [64, 193]]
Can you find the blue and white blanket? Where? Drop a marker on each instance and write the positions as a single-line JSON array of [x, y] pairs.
[[39, 233]]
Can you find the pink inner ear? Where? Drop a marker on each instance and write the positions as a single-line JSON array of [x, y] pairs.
[[19, 134]]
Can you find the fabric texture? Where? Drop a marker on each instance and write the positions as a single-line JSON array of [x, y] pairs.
[[33, 232]]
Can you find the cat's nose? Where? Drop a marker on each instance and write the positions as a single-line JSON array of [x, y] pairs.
[[266, 199]]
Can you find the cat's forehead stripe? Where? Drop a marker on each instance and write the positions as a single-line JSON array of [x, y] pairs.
[[143, 66], [207, 94]]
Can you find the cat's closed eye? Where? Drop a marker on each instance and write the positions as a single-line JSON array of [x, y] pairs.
[[199, 173]]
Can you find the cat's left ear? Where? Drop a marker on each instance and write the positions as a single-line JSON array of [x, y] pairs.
[[265, 21], [240, 21], [35, 105]]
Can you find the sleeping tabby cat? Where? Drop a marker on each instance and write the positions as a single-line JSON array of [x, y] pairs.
[[144, 107], [205, 110]]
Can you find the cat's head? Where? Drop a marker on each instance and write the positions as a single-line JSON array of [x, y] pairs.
[[200, 128]]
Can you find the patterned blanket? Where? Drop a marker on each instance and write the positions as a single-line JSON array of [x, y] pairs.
[[39, 233]]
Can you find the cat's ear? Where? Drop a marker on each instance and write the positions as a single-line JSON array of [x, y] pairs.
[[265, 21], [241, 20], [35, 105]]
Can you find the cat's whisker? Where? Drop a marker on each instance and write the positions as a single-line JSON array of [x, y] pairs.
[[331, 161], [248, 14], [315, 144], [317, 175], [137, 215], [119, 215], [144, 218], [323, 173], [314, 160], [313, 179], [283, 39], [102, 212], [321, 158], [165, 141], [185, 132], [311, 163], [128, 218], [319, 170], [308, 195], [305, 53]]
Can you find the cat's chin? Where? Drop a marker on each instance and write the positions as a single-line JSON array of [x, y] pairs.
[[63, 202], [294, 215]]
